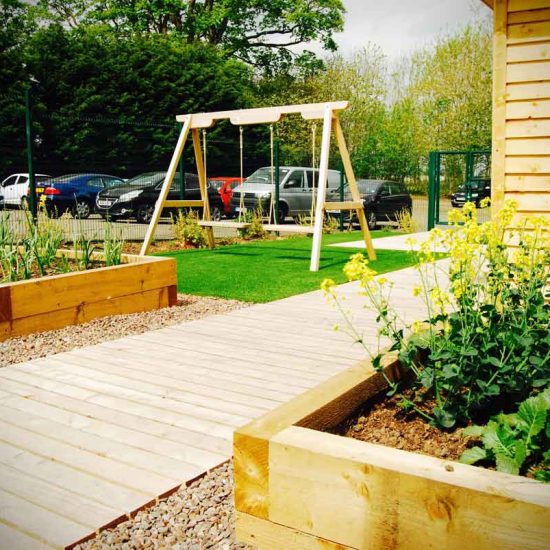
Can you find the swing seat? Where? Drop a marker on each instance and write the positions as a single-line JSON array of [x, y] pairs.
[[234, 225], [290, 228]]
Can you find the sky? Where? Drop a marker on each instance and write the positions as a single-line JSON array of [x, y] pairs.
[[401, 26]]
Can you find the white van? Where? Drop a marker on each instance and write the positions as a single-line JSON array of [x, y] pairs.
[[296, 184], [15, 189]]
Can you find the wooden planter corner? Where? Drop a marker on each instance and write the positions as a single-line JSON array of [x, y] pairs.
[[299, 489], [48, 303]]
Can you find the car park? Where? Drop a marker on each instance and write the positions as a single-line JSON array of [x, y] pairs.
[[75, 193], [15, 189], [296, 185], [136, 197], [473, 191]]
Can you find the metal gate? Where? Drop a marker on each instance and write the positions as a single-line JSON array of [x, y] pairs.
[[456, 177]]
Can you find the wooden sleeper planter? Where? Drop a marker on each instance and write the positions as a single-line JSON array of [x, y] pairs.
[[298, 488], [140, 283]]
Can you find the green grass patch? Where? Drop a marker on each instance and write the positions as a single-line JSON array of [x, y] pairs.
[[270, 270]]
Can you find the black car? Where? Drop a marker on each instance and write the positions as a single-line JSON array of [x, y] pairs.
[[137, 197], [472, 191], [382, 200]]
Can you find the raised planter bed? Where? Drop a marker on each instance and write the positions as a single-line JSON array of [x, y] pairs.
[[47, 303], [300, 488]]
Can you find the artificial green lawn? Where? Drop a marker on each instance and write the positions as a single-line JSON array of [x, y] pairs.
[[263, 271]]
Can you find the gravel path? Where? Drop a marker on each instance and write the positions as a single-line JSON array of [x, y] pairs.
[[197, 517], [33, 346]]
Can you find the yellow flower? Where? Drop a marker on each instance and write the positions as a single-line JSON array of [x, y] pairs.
[[382, 281], [417, 290], [327, 286], [485, 202]]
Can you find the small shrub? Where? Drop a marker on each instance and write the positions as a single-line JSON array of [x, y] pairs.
[[256, 228], [405, 222], [187, 229], [330, 224]]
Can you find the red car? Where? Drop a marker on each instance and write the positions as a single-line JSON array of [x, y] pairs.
[[225, 186]]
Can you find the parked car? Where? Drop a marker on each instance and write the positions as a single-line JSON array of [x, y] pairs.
[[137, 196], [474, 190], [75, 193], [225, 186], [382, 200], [15, 189], [295, 190]]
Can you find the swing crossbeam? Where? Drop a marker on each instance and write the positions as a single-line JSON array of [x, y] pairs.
[[328, 112]]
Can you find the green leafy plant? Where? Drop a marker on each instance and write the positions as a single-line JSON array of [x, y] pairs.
[[515, 441], [84, 249], [485, 344], [187, 229], [256, 228], [112, 246], [330, 224]]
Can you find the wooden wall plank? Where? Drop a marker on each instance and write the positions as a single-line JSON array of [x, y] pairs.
[[373, 497], [533, 90], [529, 32], [528, 182], [531, 202], [539, 51], [542, 14], [528, 72], [529, 146], [528, 109], [528, 165], [523, 5], [528, 128]]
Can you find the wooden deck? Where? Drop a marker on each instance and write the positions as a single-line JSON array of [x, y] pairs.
[[90, 436]]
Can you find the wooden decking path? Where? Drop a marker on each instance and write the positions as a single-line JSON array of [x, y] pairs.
[[89, 436]]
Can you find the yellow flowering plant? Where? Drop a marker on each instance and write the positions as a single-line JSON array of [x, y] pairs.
[[484, 345]]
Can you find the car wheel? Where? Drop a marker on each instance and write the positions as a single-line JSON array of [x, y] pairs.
[[215, 214], [81, 210], [283, 213], [24, 203], [371, 220], [144, 213]]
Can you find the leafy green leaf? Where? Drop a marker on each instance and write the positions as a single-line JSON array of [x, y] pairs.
[[474, 431], [473, 455], [533, 413], [506, 464]]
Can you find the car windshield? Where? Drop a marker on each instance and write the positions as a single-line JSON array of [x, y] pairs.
[[473, 186], [144, 180], [263, 175], [367, 187]]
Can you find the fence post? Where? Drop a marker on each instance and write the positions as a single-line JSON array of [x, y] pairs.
[[431, 189], [30, 167], [277, 182]]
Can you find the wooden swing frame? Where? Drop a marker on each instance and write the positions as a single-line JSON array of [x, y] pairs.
[[328, 112]]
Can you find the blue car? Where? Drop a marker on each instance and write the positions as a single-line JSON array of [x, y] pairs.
[[74, 193]]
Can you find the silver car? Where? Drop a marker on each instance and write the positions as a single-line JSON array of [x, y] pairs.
[[296, 184]]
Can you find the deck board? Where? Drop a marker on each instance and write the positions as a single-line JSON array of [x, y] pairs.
[[92, 435]]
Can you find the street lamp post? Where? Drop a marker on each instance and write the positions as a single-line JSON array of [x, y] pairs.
[[30, 156]]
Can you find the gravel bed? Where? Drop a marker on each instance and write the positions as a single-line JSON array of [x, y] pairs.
[[196, 517], [33, 346]]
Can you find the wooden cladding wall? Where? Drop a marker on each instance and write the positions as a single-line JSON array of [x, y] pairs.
[[521, 109]]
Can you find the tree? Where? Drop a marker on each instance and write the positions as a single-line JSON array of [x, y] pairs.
[[258, 32]]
